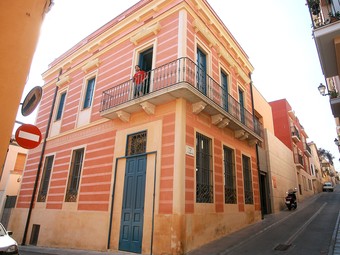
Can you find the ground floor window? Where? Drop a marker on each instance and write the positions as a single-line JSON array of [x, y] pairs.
[[229, 176], [74, 177], [136, 143], [247, 180], [204, 171]]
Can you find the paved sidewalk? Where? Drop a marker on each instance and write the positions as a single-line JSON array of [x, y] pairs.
[[219, 247], [59, 251]]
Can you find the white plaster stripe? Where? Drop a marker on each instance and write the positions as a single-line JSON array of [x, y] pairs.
[[29, 136]]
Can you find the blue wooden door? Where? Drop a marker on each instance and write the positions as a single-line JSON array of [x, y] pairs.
[[201, 72], [131, 228]]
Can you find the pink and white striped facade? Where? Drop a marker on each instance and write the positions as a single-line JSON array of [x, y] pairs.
[[172, 114]]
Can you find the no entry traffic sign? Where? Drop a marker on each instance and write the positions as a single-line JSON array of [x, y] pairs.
[[28, 136]]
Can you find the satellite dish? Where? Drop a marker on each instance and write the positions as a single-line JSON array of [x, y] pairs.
[[31, 101]]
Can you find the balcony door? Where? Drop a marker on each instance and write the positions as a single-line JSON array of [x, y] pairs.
[[224, 83], [145, 62], [242, 110], [201, 71]]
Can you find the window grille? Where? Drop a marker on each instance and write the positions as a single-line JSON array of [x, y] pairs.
[[204, 172], [74, 177], [136, 143], [45, 179], [247, 180], [229, 176]]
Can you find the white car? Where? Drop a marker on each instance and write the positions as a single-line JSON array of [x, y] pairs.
[[7, 244], [328, 187]]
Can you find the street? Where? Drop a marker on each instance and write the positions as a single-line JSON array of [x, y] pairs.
[[307, 230]]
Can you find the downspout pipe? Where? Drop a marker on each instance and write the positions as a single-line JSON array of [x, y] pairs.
[[40, 162], [257, 149]]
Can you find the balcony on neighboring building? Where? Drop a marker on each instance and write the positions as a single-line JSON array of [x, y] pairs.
[[335, 105], [182, 78], [298, 160], [295, 134], [307, 150], [325, 16]]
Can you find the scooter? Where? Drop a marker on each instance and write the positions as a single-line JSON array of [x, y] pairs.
[[290, 200]]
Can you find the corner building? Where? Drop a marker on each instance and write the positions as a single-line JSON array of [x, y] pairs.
[[163, 171]]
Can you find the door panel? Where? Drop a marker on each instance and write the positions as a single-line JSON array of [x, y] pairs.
[[145, 62], [131, 230], [201, 72]]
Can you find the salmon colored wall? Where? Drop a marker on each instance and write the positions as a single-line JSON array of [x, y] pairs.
[[167, 165], [201, 123], [281, 122]]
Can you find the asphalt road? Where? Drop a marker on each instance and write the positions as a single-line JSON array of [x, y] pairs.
[[307, 230]]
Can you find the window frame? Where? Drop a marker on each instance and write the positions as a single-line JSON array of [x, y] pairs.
[[73, 182], [247, 180], [88, 96], [61, 105], [204, 169], [230, 193], [45, 178], [225, 93]]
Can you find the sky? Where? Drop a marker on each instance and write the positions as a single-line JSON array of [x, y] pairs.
[[276, 35]]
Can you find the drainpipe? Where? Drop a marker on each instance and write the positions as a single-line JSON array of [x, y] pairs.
[[40, 162], [257, 149]]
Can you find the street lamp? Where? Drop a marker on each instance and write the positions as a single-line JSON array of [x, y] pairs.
[[336, 141], [322, 90]]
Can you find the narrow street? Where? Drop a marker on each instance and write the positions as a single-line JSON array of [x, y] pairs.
[[307, 230]]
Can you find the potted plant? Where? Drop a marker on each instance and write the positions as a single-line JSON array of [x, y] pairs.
[[333, 94], [314, 6], [334, 16]]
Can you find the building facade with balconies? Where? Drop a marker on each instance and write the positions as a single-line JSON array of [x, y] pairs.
[[316, 169], [161, 171], [325, 17], [290, 131]]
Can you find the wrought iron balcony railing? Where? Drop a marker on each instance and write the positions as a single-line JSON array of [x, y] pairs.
[[324, 12], [182, 70]]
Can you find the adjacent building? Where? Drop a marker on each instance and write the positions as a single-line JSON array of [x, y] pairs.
[[20, 25], [325, 16], [11, 179], [291, 132], [317, 172], [162, 166]]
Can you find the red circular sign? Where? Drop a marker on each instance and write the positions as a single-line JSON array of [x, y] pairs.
[[28, 136]]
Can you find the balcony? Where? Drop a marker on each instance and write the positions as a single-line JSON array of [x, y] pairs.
[[182, 79], [298, 160], [295, 134], [325, 16], [335, 106], [307, 150]]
